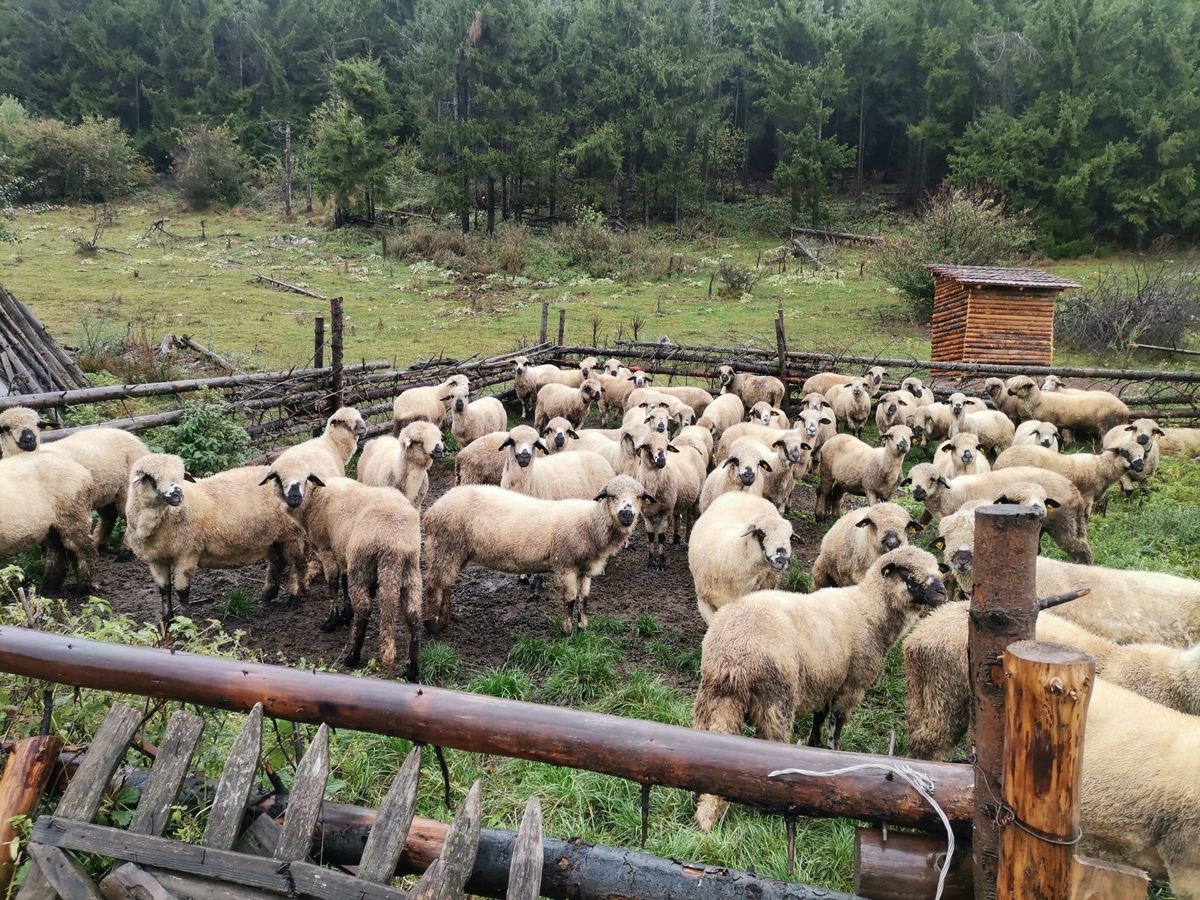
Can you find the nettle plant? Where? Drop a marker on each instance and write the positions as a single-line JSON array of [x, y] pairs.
[[207, 438]]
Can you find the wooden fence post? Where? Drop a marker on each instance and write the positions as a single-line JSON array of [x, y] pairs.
[[1047, 688], [337, 388], [781, 345], [562, 326], [1004, 609], [319, 342], [545, 317]]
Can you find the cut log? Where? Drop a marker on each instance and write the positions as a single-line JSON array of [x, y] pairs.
[[26, 773], [286, 286], [131, 882], [907, 867], [1098, 879], [838, 235]]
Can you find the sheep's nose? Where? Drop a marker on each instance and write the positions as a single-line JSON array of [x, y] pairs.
[[459, 406], [1011, 392], [524, 458], [891, 410], [891, 542], [967, 457], [961, 559], [28, 440], [559, 439], [780, 559], [1143, 439], [438, 452], [173, 495], [625, 516], [935, 592], [660, 461], [793, 455], [746, 476], [918, 493], [294, 497], [1046, 443], [662, 426], [1138, 464]]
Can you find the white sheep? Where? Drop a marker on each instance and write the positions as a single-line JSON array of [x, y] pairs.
[[1145, 433], [851, 404], [577, 474], [653, 416], [823, 381], [615, 390], [613, 368], [740, 544], [501, 530], [403, 463], [921, 395], [558, 433], [894, 408], [817, 426], [751, 388], [700, 440], [770, 416], [961, 455], [1092, 412], [848, 466], [1179, 442], [1066, 512], [991, 427], [328, 454], [694, 397], [219, 522], [931, 423], [815, 401], [997, 392], [650, 398], [856, 540], [47, 499], [424, 404], [470, 421], [675, 485], [773, 655], [742, 470], [572, 403], [1053, 384], [1091, 473], [369, 540], [529, 380], [620, 451], [480, 463], [724, 412], [1034, 433]]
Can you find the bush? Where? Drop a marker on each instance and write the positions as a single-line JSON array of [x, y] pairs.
[[737, 280], [127, 352], [1156, 301], [956, 226], [90, 161], [208, 166], [207, 438]]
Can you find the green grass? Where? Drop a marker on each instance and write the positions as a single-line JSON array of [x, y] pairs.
[[439, 663], [239, 605]]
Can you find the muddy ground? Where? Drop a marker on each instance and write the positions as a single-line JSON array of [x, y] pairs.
[[489, 610]]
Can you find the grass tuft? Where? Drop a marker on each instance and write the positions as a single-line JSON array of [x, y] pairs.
[[646, 625], [239, 605], [502, 681], [439, 663]]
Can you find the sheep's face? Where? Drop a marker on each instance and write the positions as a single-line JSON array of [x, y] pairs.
[[1022, 387], [424, 439], [888, 532], [1051, 384], [958, 403], [892, 404], [588, 367], [964, 447], [683, 415], [875, 375], [612, 367], [810, 421], [457, 398], [1133, 456], [521, 444], [916, 574], [640, 379], [521, 366], [590, 390], [655, 449], [774, 538], [19, 428], [746, 470], [350, 419], [957, 544], [1045, 435], [657, 419], [162, 475], [1146, 430], [859, 389], [623, 497], [791, 448], [557, 431], [994, 388], [814, 401], [760, 413], [913, 385], [898, 438], [725, 375], [927, 482]]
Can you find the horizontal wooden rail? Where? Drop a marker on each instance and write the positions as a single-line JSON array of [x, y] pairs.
[[644, 752]]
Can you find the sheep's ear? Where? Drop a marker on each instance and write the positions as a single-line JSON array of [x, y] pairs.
[[447, 399], [1159, 432], [753, 530], [943, 482], [804, 446], [188, 476], [778, 444], [763, 464], [732, 461], [47, 425], [671, 448], [649, 498], [644, 405], [315, 480], [1051, 503], [906, 482], [509, 442], [863, 522], [887, 570], [649, 379], [776, 413], [912, 527], [541, 446], [1003, 499], [631, 378], [571, 432], [826, 421], [901, 402], [603, 495], [628, 437], [979, 448], [1131, 428], [938, 543], [271, 476], [946, 447], [826, 403], [943, 568]]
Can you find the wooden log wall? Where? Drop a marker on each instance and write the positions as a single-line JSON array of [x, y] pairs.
[[949, 325], [1008, 326]]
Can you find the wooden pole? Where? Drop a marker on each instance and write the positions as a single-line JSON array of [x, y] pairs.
[[1047, 688], [1004, 608], [287, 168], [337, 388], [781, 345], [562, 326], [730, 766], [545, 317], [319, 342], [907, 866], [25, 776]]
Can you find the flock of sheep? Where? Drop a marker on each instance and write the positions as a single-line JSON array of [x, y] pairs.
[[715, 473]]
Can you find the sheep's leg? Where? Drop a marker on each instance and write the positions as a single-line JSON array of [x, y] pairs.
[[839, 721], [722, 715], [816, 736], [78, 543], [293, 559], [410, 584], [270, 588], [105, 523], [569, 582], [360, 599], [1179, 854], [54, 562], [585, 591], [707, 610]]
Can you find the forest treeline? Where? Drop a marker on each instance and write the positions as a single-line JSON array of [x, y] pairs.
[[1085, 112]]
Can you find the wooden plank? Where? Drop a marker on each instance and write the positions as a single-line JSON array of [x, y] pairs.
[[261, 838], [386, 842], [131, 882], [81, 799], [525, 872], [304, 802], [189, 887], [67, 877], [446, 880], [290, 877], [166, 775], [1098, 879], [233, 790]]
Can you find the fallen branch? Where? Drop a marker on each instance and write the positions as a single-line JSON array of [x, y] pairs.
[[186, 340], [1064, 597], [838, 235], [285, 286]]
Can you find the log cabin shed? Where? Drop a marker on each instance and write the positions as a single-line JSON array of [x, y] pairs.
[[988, 314]]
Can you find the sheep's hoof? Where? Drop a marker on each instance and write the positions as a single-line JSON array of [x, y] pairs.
[[269, 594], [291, 601], [433, 627], [676, 541], [566, 626], [353, 661], [535, 583], [331, 623]]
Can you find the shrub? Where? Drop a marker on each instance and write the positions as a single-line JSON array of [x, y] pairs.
[[509, 248], [128, 353], [208, 166], [206, 437], [955, 226], [90, 161], [1155, 301], [737, 280]]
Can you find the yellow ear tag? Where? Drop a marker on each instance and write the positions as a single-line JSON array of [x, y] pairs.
[[646, 500]]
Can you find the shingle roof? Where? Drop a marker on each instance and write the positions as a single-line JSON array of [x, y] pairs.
[[1003, 277]]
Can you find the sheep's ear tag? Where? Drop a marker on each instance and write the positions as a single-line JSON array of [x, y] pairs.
[[888, 569], [1051, 503], [188, 476], [906, 482], [602, 496], [763, 464], [912, 528], [649, 498], [805, 447], [939, 543], [1002, 500]]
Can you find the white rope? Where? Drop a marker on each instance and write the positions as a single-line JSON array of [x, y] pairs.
[[919, 781]]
